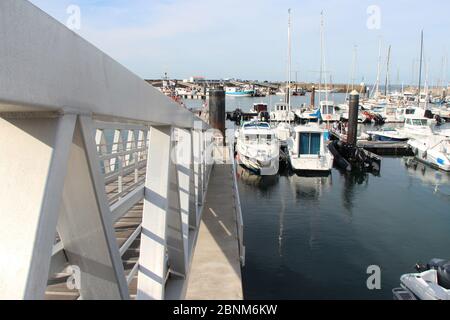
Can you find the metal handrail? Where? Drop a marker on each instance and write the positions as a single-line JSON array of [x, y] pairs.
[[237, 200]]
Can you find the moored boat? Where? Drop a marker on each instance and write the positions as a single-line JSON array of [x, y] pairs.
[[308, 150], [431, 282], [433, 150], [258, 148], [387, 134]]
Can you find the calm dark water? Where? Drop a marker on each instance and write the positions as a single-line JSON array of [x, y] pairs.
[[314, 237]]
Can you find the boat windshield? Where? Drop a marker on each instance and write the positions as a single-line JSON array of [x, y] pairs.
[[419, 122], [256, 125], [259, 138]]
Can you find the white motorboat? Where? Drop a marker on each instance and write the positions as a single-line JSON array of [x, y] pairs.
[[329, 111], [308, 149], [416, 128], [443, 130], [431, 282], [433, 150], [283, 132], [281, 113], [308, 114], [258, 148], [387, 134]]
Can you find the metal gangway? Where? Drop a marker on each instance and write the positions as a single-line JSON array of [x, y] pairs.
[[102, 177]]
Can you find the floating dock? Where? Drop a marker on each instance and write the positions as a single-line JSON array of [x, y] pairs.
[[381, 148]]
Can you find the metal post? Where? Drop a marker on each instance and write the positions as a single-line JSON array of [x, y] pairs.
[[33, 150], [353, 118], [313, 96], [217, 110], [152, 259]]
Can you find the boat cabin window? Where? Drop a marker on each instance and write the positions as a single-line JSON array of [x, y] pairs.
[[328, 109], [410, 111], [419, 122], [309, 143], [258, 138]]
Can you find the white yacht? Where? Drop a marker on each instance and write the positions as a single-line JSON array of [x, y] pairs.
[[281, 113], [258, 148], [433, 150], [308, 149]]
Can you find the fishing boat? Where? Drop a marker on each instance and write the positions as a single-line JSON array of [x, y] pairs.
[[431, 282], [308, 150], [258, 148], [258, 107], [386, 134], [416, 127], [239, 92], [282, 113], [329, 112], [433, 150]]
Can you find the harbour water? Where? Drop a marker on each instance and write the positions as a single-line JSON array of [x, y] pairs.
[[315, 237]]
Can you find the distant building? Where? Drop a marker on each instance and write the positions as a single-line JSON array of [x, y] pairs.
[[197, 79]]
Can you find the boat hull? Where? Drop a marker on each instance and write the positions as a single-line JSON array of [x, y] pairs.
[[266, 168], [311, 164], [430, 157]]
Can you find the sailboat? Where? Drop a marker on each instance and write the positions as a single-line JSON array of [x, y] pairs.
[[328, 110], [282, 112]]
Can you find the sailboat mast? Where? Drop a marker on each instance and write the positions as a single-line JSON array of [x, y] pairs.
[[321, 57], [386, 85], [377, 86], [288, 91], [420, 68]]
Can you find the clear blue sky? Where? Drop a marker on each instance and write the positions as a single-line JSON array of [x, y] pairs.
[[248, 38]]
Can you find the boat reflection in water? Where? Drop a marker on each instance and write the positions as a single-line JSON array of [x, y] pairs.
[[437, 179], [252, 179], [309, 186]]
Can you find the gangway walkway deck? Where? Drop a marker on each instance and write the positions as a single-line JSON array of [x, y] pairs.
[[216, 267]]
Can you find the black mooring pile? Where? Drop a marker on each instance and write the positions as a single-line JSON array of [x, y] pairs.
[[348, 155]]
